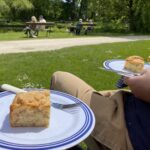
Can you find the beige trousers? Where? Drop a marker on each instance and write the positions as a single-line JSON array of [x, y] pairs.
[[110, 131]]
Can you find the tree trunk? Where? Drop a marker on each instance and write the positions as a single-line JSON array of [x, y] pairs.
[[131, 16]]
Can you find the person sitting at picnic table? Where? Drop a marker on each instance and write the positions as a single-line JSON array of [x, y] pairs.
[[32, 29], [122, 116], [41, 20], [79, 26], [89, 27]]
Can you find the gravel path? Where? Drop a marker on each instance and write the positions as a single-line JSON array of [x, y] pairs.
[[54, 44]]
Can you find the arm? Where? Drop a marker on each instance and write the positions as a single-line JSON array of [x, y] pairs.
[[140, 85]]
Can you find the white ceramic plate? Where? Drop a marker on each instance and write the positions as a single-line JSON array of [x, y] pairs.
[[118, 65], [67, 127]]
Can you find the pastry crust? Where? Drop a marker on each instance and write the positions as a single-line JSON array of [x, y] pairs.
[[134, 64], [30, 109]]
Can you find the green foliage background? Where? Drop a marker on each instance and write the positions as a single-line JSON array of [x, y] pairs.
[[133, 14]]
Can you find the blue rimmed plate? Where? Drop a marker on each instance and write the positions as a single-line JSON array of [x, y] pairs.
[[67, 127], [118, 65]]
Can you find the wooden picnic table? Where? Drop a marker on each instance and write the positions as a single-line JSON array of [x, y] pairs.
[[47, 25], [83, 26], [40, 23], [87, 24]]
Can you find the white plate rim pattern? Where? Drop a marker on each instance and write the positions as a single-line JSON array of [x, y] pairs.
[[77, 137], [107, 66], [107, 62]]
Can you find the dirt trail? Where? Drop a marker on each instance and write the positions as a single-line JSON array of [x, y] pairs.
[[54, 44]]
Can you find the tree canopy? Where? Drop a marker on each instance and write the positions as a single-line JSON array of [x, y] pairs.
[[134, 13]]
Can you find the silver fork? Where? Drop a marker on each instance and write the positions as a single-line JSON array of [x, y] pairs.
[[14, 89], [65, 106]]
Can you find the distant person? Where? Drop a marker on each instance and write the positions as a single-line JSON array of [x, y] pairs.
[[42, 20], [89, 27], [79, 26], [32, 29]]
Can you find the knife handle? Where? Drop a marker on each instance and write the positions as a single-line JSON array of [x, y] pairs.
[[11, 88]]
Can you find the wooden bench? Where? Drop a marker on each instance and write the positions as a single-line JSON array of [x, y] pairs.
[[48, 26], [72, 28]]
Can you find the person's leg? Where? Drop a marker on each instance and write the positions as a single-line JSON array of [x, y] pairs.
[[71, 84], [27, 31], [31, 33], [110, 129], [36, 32], [77, 31]]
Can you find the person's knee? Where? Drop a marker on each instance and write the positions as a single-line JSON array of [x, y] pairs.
[[57, 74], [53, 78], [57, 79], [64, 81]]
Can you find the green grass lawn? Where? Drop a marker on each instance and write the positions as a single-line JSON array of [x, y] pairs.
[[11, 35], [35, 69], [56, 33]]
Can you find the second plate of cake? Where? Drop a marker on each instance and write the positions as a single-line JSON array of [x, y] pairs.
[[117, 65]]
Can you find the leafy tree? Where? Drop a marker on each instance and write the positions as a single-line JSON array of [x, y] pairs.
[[70, 9], [12, 8], [141, 15], [55, 9], [50, 9], [134, 13], [4, 9], [83, 11]]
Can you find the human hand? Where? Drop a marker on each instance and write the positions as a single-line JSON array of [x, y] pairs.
[[140, 85]]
